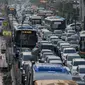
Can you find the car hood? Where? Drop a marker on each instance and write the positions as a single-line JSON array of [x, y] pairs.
[[74, 68], [74, 45], [73, 71], [82, 75]]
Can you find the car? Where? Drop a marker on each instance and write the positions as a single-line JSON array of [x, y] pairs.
[[65, 35], [76, 36], [67, 51], [62, 44], [46, 46], [58, 33], [46, 71], [46, 53], [81, 71], [46, 67], [49, 35], [72, 26], [53, 37], [69, 59], [75, 45], [25, 57], [51, 57], [58, 62], [71, 31], [45, 50], [38, 44], [44, 33], [75, 63], [25, 70], [68, 39], [58, 43], [54, 41], [61, 49]]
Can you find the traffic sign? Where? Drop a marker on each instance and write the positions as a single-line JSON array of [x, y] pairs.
[[5, 23], [7, 33]]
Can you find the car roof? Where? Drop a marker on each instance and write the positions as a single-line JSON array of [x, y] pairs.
[[45, 50], [64, 43], [48, 53], [45, 30], [75, 54], [26, 53], [81, 66], [55, 61], [53, 36], [79, 59], [52, 56], [49, 44], [69, 48]]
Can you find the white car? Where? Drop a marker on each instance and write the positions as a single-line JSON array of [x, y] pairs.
[[81, 71], [53, 37], [70, 57], [67, 51], [75, 63]]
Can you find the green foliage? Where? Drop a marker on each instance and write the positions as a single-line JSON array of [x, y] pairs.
[[82, 55]]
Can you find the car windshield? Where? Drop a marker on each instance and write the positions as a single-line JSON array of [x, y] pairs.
[[70, 51], [73, 42], [71, 31], [82, 70], [27, 57], [54, 59], [76, 63], [70, 58]]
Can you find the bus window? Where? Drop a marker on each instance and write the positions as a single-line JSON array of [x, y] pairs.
[[54, 23], [26, 39]]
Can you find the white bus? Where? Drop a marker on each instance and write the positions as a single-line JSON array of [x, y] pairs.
[[55, 23]]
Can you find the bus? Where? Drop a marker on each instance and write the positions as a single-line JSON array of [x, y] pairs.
[[55, 23], [45, 13], [82, 42], [34, 19], [25, 36]]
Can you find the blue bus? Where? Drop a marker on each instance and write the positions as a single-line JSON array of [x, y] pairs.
[[25, 36]]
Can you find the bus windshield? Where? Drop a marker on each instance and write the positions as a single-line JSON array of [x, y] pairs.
[[36, 21], [58, 25], [25, 38]]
